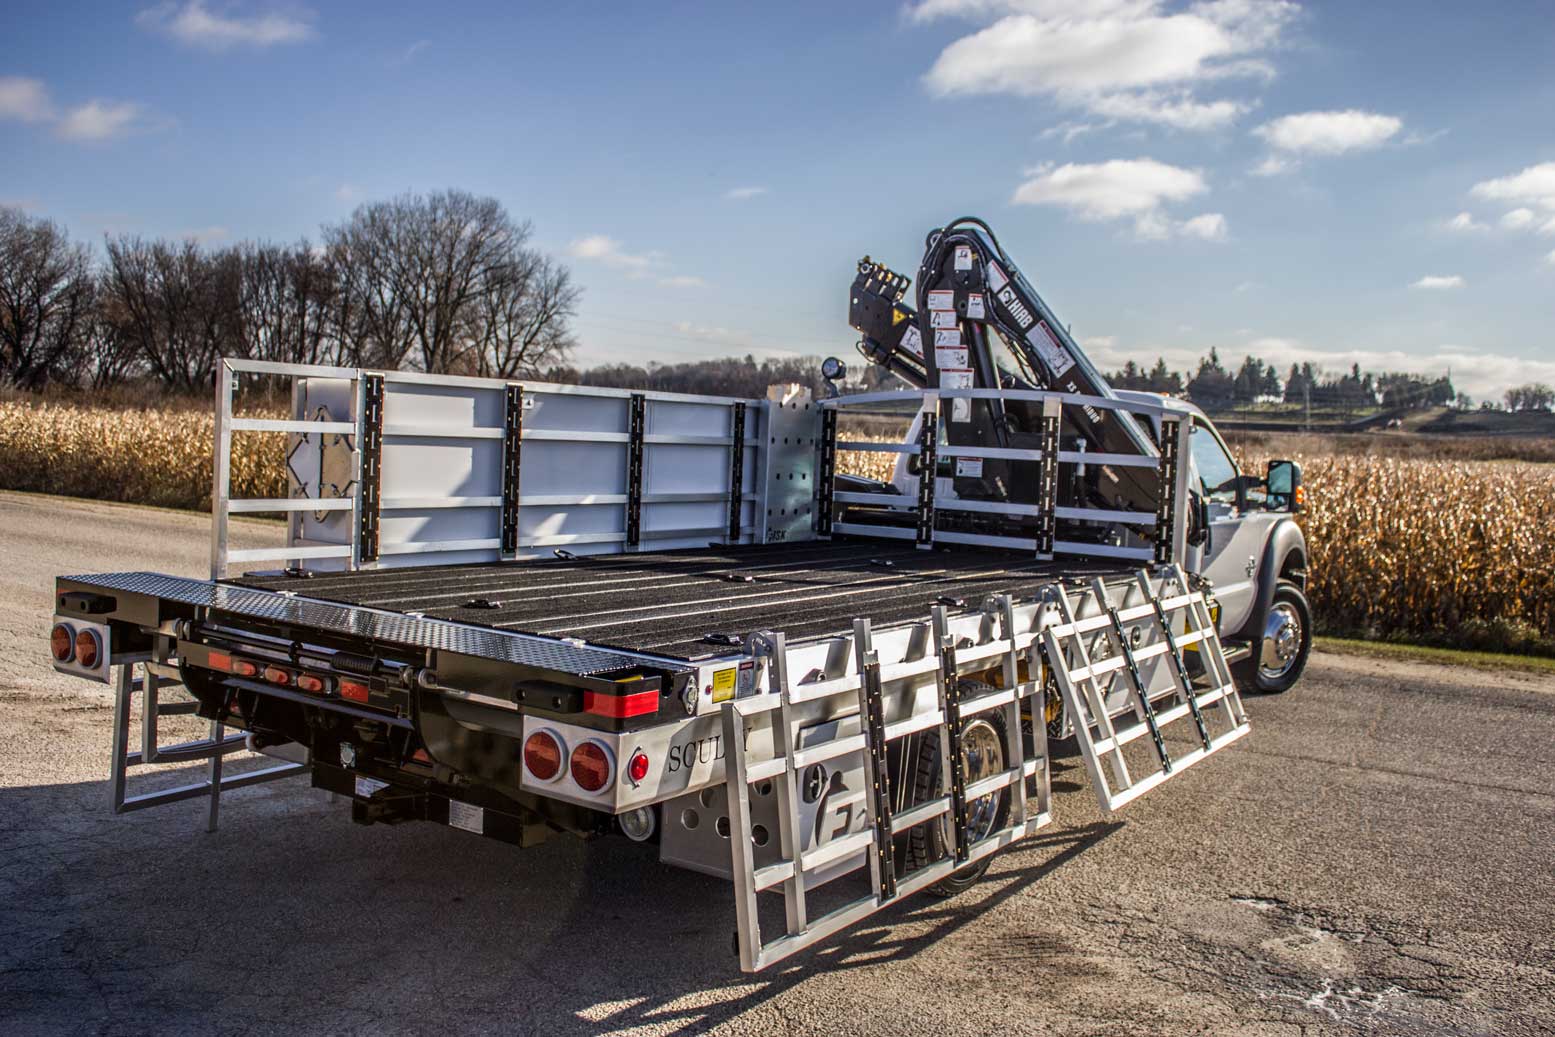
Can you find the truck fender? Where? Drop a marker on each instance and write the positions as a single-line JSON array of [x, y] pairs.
[[1284, 551]]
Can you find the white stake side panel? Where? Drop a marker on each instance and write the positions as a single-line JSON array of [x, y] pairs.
[[442, 469]]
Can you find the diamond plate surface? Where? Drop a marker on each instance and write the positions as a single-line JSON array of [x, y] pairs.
[[412, 631]]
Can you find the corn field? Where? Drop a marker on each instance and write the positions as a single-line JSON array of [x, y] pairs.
[[1439, 550]]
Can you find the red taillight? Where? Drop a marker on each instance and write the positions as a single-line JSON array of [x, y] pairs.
[[62, 643], [244, 668], [616, 707], [276, 675], [308, 682], [591, 766], [89, 648], [219, 661], [543, 756], [356, 691], [637, 767]]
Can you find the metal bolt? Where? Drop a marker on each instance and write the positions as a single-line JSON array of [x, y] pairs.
[[347, 755]]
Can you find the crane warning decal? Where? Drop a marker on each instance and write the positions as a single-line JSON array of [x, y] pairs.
[[1049, 348], [912, 341], [963, 257]]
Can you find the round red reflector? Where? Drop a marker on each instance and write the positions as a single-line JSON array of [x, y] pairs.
[[88, 648], [637, 766], [276, 675], [543, 756], [62, 643], [591, 766]]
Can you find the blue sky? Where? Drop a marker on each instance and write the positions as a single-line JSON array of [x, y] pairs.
[[1325, 182]]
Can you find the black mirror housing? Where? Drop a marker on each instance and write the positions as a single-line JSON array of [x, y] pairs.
[[1284, 484]]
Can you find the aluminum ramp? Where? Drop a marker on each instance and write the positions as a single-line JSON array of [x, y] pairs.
[[1136, 649], [908, 689]]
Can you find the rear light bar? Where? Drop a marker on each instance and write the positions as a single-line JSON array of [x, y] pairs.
[[618, 707]]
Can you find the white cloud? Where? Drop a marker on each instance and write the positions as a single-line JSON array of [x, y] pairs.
[[348, 193], [608, 251], [1464, 223], [1518, 219], [1533, 186], [1136, 189], [1274, 165], [1439, 282], [1211, 226], [1548, 228], [1329, 133], [196, 25], [99, 120], [682, 281], [26, 100], [741, 194], [1550, 259], [1131, 60]]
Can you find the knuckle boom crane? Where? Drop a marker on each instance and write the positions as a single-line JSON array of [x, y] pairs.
[[979, 324]]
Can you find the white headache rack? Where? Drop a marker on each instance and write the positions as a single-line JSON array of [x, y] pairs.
[[1157, 535], [1143, 642], [895, 689]]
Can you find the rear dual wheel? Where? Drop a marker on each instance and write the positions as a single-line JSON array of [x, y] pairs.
[[982, 755]]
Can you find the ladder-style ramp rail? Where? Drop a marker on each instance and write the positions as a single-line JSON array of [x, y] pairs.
[[906, 691], [1140, 645]]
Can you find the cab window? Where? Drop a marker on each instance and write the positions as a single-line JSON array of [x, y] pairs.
[[1217, 472]]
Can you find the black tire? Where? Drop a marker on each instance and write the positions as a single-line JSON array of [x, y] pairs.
[[1278, 668], [930, 842]]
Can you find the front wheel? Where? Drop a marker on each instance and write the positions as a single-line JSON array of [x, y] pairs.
[[1280, 653]]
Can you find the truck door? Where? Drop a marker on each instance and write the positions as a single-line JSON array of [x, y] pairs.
[[1231, 558]]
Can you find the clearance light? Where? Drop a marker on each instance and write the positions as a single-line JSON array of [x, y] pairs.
[[308, 682], [356, 691], [617, 707], [591, 766], [543, 755], [219, 661], [276, 675], [1300, 498], [637, 767], [62, 643], [244, 668], [89, 648]]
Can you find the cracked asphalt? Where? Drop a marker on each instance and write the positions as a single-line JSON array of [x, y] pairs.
[[1376, 857]]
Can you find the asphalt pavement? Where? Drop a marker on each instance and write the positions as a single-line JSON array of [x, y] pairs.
[[1377, 856]]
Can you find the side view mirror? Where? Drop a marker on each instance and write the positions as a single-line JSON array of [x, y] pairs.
[[1285, 489]]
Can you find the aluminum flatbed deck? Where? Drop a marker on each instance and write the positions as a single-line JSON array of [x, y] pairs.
[[692, 604]]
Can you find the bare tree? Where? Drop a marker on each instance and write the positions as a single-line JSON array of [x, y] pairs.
[[521, 324], [175, 305], [423, 279], [46, 299], [286, 300]]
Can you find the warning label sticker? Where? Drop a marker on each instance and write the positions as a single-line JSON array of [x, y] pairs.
[[942, 300], [953, 378], [947, 337], [996, 277], [1049, 348], [723, 685], [463, 815], [974, 307], [942, 318], [969, 467], [951, 356], [912, 341], [747, 683], [963, 257], [897, 316]]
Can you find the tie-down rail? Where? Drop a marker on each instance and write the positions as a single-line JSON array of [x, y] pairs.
[[917, 690], [1143, 643]]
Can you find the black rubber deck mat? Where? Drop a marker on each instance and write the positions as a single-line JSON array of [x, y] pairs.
[[693, 604]]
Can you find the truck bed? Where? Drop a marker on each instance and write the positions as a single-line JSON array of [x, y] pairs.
[[690, 604]]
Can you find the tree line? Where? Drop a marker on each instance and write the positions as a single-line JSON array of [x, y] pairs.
[[446, 282], [1215, 387]]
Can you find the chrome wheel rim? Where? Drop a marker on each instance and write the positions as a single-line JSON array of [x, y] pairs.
[[982, 756], [1281, 645]]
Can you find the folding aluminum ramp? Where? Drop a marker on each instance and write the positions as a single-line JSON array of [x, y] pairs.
[[895, 698], [1140, 643]]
